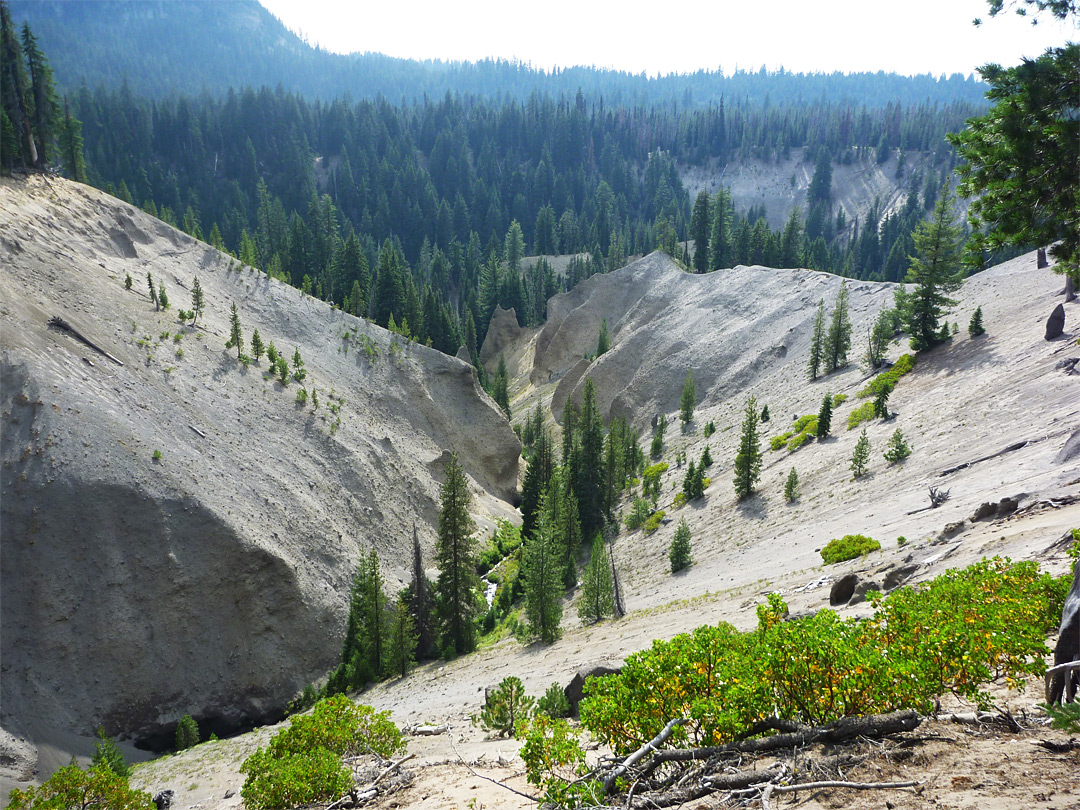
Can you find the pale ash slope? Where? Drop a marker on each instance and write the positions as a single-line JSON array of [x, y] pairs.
[[215, 581]]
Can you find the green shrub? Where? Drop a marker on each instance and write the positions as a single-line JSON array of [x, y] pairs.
[[679, 500], [301, 396], [795, 442], [780, 442], [650, 478], [806, 424], [653, 523], [839, 399], [864, 413], [73, 787], [889, 378], [637, 515], [848, 547], [554, 703], [506, 707], [901, 541], [898, 449], [187, 733], [302, 762]]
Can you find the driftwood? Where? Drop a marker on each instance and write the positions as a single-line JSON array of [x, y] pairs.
[[772, 788], [846, 728], [426, 731], [938, 496], [634, 758], [56, 322]]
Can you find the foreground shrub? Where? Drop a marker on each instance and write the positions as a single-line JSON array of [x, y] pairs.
[[302, 763], [75, 788], [848, 547], [960, 631], [506, 707], [554, 703]]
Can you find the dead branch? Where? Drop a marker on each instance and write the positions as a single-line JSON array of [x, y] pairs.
[[472, 770], [938, 496], [1066, 667], [651, 745], [774, 788], [56, 322], [845, 728], [392, 766]]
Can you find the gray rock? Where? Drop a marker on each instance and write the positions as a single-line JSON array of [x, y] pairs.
[[842, 589], [575, 690], [986, 511], [897, 576], [861, 590], [1063, 685], [1055, 324], [1040, 259], [1006, 506], [164, 799], [953, 529]]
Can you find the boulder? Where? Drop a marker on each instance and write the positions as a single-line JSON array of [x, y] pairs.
[[575, 690], [842, 589], [861, 590], [1055, 324], [1006, 506], [1040, 259], [986, 511], [953, 529], [897, 576], [1062, 686]]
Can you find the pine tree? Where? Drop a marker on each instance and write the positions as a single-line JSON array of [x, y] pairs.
[[699, 231], [108, 755], [187, 733], [46, 111], [975, 325], [817, 341], [544, 567], [688, 400], [538, 473], [153, 290], [163, 297], [897, 449], [401, 649], [597, 600], [364, 648], [879, 337], [720, 243], [656, 449], [500, 387], [838, 338], [748, 459], [589, 480], [71, 147], [679, 552], [127, 281], [198, 301], [861, 455], [936, 272], [881, 402], [791, 486], [603, 343], [256, 345], [765, 413], [421, 604], [824, 419], [454, 555], [236, 338]]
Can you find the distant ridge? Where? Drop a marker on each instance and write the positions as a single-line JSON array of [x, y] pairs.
[[161, 48]]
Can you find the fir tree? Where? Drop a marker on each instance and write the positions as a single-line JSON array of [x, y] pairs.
[[861, 455], [108, 755], [706, 458], [363, 651], [936, 272], [975, 325], [656, 449], [454, 555], [589, 480], [824, 419], [71, 147], [679, 552], [236, 337], [838, 338], [765, 413], [603, 343], [45, 110], [720, 242], [153, 290], [256, 345], [500, 387], [421, 604], [163, 297], [878, 338], [881, 402], [401, 649], [748, 458], [687, 400], [597, 601], [699, 231], [127, 281], [791, 486], [817, 346], [538, 472], [544, 567], [198, 301], [272, 355], [897, 449], [187, 733]]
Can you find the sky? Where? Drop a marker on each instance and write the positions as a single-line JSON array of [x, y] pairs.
[[902, 36]]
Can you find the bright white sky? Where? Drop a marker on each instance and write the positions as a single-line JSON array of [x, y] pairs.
[[908, 37]]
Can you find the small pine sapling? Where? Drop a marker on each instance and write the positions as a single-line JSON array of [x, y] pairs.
[[824, 419], [881, 402], [283, 370], [765, 413], [153, 290], [506, 706], [256, 345], [898, 449], [299, 372], [127, 281], [706, 458], [198, 301], [791, 487], [603, 342], [236, 337], [108, 755], [272, 355], [163, 299], [679, 553], [861, 455], [975, 325]]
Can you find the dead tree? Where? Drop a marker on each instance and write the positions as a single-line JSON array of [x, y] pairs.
[[938, 497]]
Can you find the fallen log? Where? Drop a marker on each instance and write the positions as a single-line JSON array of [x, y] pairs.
[[56, 322], [651, 745]]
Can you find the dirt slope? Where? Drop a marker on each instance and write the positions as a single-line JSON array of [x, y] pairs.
[[214, 580]]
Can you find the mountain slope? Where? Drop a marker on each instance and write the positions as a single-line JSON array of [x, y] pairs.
[[212, 580]]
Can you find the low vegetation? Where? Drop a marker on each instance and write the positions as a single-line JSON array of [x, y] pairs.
[[889, 378], [848, 547]]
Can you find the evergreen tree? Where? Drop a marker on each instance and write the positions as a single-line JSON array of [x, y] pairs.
[[388, 298], [401, 649], [879, 337], [656, 449], [455, 587], [153, 290], [699, 231], [420, 604], [514, 248], [679, 552], [688, 400], [597, 600], [198, 302], [765, 413], [975, 325], [500, 387], [936, 272], [256, 345], [791, 486], [824, 418], [881, 402], [236, 338], [603, 343], [187, 733], [108, 755], [791, 241], [363, 652], [838, 338], [861, 455], [748, 458], [897, 449], [544, 566], [817, 342], [589, 482], [127, 281], [45, 112], [538, 472], [163, 297], [71, 146], [720, 243]]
